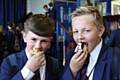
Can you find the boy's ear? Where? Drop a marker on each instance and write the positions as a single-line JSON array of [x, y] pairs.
[[101, 30], [24, 35]]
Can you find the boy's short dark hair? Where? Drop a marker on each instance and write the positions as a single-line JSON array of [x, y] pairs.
[[40, 25]]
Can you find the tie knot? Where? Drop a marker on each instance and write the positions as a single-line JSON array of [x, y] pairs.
[[88, 56], [37, 75]]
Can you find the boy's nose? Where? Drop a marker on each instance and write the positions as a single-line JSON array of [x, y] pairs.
[[80, 36], [38, 45]]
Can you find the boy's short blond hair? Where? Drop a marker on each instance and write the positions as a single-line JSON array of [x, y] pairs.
[[89, 10]]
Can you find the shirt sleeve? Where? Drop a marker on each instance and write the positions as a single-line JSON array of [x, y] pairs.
[[26, 73]]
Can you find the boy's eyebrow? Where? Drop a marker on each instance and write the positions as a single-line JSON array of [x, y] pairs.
[[45, 40]]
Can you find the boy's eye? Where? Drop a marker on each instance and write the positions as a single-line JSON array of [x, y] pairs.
[[87, 30], [83, 31], [75, 32], [33, 39]]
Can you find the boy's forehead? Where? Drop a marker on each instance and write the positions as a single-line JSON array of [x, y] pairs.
[[84, 20]]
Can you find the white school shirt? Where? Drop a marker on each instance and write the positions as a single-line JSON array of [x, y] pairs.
[[93, 60]]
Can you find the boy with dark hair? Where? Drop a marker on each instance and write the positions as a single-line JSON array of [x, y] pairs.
[[37, 35]]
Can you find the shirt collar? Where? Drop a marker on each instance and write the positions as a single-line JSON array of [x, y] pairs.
[[27, 53], [95, 53]]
